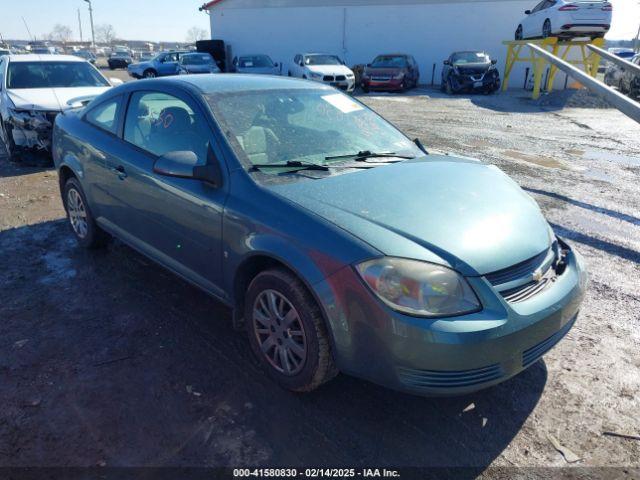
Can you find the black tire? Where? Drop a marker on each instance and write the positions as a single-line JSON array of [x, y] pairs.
[[149, 73], [518, 35], [318, 366], [94, 237], [289, 73], [448, 87], [365, 89], [546, 29]]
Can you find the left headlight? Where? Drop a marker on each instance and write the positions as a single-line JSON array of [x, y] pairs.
[[419, 288]]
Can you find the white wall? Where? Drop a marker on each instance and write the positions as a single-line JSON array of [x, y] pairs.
[[429, 31]]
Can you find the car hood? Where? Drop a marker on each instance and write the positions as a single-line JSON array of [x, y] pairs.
[[49, 99], [440, 209], [329, 69]]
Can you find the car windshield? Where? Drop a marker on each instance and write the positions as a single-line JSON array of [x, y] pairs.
[[196, 59], [390, 61], [470, 57], [321, 60], [53, 75], [255, 61], [303, 125]]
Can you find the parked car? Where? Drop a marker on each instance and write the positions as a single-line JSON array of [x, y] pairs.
[[146, 56], [566, 19], [468, 72], [163, 64], [119, 60], [391, 72], [625, 53], [86, 55], [629, 82], [256, 64], [321, 67], [340, 244], [33, 90], [191, 63]]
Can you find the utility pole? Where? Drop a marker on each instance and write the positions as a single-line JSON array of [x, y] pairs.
[[93, 34], [80, 25], [27, 27]]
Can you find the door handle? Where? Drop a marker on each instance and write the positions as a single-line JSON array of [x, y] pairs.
[[120, 171]]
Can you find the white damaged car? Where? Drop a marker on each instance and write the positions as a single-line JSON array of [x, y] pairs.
[[36, 88], [324, 68]]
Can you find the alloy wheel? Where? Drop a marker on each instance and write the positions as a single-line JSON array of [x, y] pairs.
[[546, 29], [77, 213], [280, 332]]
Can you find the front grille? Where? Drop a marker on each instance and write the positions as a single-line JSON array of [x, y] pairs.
[[450, 379], [340, 78], [471, 71], [525, 292], [329, 78], [517, 271], [380, 79], [533, 354]]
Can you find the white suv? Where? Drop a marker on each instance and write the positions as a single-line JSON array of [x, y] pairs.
[[324, 68], [563, 18]]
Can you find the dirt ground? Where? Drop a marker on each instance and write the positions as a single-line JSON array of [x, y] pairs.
[[106, 359]]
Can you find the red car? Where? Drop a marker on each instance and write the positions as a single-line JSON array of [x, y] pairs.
[[396, 72]]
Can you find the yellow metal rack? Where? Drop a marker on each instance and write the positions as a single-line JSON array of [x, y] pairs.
[[590, 61]]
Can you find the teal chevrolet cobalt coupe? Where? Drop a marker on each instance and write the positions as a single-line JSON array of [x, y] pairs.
[[339, 244]]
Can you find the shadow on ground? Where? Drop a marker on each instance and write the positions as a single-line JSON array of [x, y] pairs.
[[132, 366]]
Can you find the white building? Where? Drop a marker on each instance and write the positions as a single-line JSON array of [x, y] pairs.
[[358, 30]]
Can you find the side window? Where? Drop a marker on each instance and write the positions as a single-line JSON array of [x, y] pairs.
[[2, 74], [160, 123], [538, 7], [105, 115]]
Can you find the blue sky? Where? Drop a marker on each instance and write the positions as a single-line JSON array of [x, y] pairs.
[[169, 20], [132, 19]]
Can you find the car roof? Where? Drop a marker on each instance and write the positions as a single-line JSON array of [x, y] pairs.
[[34, 57], [227, 83], [393, 55]]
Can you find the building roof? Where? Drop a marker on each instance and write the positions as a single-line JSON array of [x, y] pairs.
[[210, 4]]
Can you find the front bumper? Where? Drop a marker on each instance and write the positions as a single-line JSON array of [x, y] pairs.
[[32, 130], [380, 84], [475, 82], [348, 85], [449, 356]]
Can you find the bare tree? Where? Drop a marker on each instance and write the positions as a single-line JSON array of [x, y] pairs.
[[61, 33], [196, 33], [105, 33]]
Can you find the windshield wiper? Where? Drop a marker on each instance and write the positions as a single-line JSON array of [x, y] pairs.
[[290, 164], [364, 155]]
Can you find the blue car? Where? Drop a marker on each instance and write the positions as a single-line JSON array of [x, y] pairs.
[[191, 63], [255, 64], [339, 244], [163, 64]]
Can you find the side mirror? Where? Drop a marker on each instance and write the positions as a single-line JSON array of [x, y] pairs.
[[368, 65], [447, 62], [494, 61], [527, 12], [115, 81], [183, 164]]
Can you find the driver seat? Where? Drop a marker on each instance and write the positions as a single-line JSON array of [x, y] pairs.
[[259, 144]]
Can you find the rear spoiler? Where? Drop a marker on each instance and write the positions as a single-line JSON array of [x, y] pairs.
[[79, 102]]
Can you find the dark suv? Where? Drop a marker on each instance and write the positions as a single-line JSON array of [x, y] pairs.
[[470, 71]]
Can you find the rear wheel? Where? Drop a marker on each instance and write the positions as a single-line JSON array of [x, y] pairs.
[[546, 29], [287, 332], [81, 221]]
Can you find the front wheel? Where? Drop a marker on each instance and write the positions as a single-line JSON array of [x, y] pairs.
[[149, 74], [10, 145], [82, 223], [448, 87], [287, 332], [546, 29], [519, 33]]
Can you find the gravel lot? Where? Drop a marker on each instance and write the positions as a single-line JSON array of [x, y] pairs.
[[108, 359]]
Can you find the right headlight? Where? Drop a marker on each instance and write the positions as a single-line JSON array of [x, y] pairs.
[[419, 288], [316, 75]]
